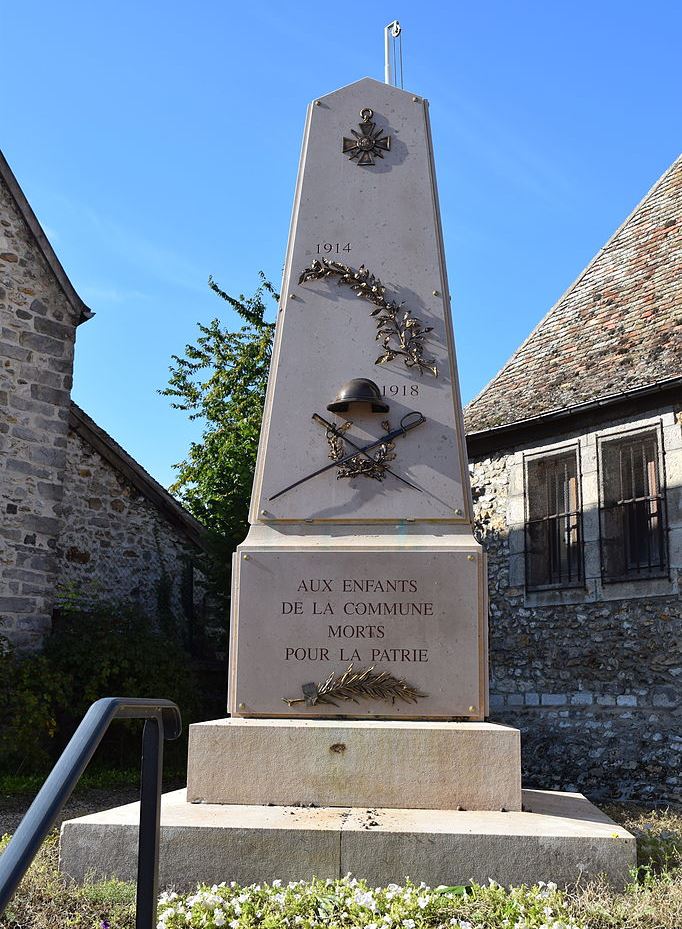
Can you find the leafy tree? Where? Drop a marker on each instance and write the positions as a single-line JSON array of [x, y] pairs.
[[221, 381]]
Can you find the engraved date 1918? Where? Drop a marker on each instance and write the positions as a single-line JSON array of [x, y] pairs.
[[400, 390], [332, 248]]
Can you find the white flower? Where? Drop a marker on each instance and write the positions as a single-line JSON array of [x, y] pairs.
[[234, 923], [409, 923], [365, 899], [551, 886], [298, 919], [277, 883], [219, 918], [422, 902]]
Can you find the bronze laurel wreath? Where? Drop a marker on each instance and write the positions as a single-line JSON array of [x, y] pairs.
[[373, 466], [401, 334], [355, 685]]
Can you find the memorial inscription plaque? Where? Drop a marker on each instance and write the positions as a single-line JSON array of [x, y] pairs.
[[360, 590]]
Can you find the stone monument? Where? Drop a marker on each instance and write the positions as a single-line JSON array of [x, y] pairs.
[[358, 656]]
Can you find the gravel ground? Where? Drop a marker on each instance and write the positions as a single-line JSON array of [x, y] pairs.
[[86, 800]]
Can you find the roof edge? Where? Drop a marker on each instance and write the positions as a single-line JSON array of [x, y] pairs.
[[504, 436], [580, 276], [83, 312], [125, 464]]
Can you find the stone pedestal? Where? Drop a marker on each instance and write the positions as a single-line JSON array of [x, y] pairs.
[[563, 839], [355, 763]]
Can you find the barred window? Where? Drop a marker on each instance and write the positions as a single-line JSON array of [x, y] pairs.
[[633, 531], [553, 523]]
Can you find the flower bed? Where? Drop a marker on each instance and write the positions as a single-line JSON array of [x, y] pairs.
[[351, 903]]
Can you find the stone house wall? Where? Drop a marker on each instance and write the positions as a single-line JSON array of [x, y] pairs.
[[37, 332], [116, 547], [79, 518], [591, 676]]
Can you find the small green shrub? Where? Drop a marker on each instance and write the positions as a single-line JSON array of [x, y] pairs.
[[29, 695], [90, 655]]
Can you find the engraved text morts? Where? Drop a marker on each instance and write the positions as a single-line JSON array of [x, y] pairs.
[[360, 590]]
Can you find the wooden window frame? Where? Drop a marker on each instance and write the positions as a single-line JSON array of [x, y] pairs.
[[660, 567], [576, 578]]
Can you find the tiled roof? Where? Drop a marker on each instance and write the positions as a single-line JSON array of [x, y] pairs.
[[616, 329]]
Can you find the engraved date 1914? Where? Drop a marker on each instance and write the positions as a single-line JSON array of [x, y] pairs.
[[332, 248]]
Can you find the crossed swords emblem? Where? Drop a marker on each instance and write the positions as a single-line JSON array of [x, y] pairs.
[[409, 421]]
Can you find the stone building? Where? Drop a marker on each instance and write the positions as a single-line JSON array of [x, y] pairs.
[[575, 451], [79, 518]]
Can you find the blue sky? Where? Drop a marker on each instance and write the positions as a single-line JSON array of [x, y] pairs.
[[158, 143]]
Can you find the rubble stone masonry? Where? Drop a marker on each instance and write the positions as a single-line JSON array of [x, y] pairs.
[[116, 546], [37, 332], [593, 678]]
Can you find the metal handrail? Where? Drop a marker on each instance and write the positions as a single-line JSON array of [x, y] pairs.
[[162, 721]]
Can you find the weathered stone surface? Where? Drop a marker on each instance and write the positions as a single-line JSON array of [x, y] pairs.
[[359, 763], [563, 839], [106, 541], [591, 677], [114, 545], [32, 458]]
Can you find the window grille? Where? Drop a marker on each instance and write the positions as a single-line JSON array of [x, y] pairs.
[[633, 531], [553, 524]]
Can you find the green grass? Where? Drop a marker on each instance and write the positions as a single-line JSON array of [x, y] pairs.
[[652, 900], [95, 779]]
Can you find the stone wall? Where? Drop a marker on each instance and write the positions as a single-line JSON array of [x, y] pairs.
[[36, 359], [593, 678], [116, 547]]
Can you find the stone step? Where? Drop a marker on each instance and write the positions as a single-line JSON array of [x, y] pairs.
[[564, 838]]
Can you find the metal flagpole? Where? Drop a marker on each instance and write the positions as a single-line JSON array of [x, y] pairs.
[[392, 30]]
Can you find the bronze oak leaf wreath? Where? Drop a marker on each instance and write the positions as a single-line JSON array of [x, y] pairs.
[[401, 334]]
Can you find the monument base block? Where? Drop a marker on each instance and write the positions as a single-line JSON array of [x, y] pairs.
[[560, 837], [355, 763]]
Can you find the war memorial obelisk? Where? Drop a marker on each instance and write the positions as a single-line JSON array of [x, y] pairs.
[[356, 738]]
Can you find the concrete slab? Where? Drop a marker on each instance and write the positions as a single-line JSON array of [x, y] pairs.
[[564, 838], [356, 763]]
